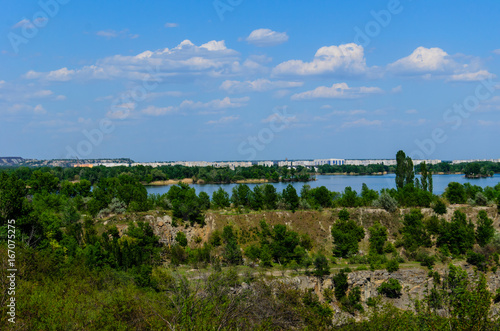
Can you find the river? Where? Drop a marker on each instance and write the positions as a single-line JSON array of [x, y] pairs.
[[338, 183]]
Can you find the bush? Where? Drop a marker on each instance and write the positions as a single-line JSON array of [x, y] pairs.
[[346, 235], [477, 259], [386, 202], [392, 265], [321, 266], [390, 288], [340, 283], [439, 207]]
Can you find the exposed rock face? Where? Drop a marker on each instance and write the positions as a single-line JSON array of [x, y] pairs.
[[163, 228]]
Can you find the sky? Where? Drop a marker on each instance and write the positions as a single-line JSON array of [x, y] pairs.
[[249, 80]]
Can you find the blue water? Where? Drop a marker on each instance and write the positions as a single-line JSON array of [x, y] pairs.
[[338, 183]]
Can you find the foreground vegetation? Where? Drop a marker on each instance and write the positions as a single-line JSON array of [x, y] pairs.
[[78, 269]]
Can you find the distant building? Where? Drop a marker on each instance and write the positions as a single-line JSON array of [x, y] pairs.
[[320, 162], [83, 165]]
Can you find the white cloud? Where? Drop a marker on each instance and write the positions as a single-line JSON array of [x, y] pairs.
[[216, 104], [397, 89], [361, 123], [471, 76], [411, 111], [496, 51], [337, 91], [326, 107], [121, 111], [186, 60], [39, 110], [347, 59], [434, 62], [171, 25], [157, 111], [266, 37], [259, 85], [224, 120], [115, 34]]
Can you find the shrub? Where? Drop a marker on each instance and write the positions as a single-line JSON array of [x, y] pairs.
[[321, 266], [439, 207], [390, 288], [481, 199], [181, 239], [477, 259], [340, 283], [346, 235], [392, 265], [386, 202]]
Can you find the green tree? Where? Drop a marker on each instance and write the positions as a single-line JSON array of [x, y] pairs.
[[485, 230], [321, 266], [346, 235], [291, 197], [414, 232], [270, 197], [232, 252], [220, 199], [378, 237], [458, 235], [181, 239], [455, 193], [391, 288], [204, 201]]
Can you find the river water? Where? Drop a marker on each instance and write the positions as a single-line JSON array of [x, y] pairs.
[[338, 183]]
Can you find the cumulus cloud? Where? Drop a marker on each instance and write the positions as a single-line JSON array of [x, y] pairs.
[[186, 60], [337, 91], [436, 63], [259, 85], [171, 25], [223, 120], [347, 59], [266, 38]]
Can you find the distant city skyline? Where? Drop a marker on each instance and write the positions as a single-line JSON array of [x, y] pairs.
[[249, 80]]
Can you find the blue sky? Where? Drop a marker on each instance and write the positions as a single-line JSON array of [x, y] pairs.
[[249, 80]]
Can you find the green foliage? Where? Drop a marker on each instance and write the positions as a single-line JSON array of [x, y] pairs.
[[386, 202], [378, 237], [458, 235], [321, 266], [391, 288], [414, 232], [185, 203], [404, 170], [291, 198], [485, 230], [346, 235], [232, 252], [351, 302], [477, 259], [341, 285], [439, 207], [392, 265], [455, 193], [181, 239], [220, 199]]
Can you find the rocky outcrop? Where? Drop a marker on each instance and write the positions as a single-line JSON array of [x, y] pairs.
[[166, 231]]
